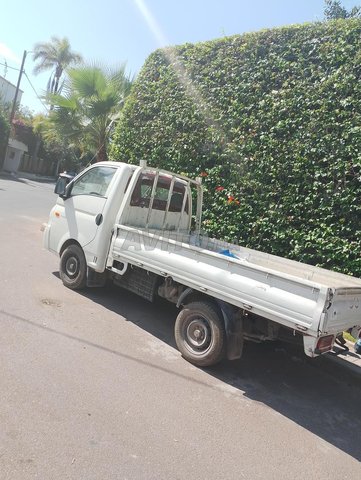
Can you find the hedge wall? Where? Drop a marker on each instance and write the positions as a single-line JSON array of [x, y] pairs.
[[272, 121]]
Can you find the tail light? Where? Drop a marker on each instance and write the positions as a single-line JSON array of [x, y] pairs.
[[324, 344]]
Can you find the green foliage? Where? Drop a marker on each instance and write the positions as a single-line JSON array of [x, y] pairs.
[[22, 128], [4, 129], [90, 103], [54, 149], [335, 10], [55, 55], [274, 119]]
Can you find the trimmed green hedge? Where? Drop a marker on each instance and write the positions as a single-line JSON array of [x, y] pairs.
[[272, 120]]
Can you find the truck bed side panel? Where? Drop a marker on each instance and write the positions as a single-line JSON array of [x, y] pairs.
[[290, 302]]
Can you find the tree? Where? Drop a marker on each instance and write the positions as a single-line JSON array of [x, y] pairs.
[[334, 9], [4, 131], [53, 148], [56, 56], [92, 100], [22, 128]]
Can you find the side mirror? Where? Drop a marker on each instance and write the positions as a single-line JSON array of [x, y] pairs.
[[62, 183]]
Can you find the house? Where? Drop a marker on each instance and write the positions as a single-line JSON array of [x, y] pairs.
[[14, 155]]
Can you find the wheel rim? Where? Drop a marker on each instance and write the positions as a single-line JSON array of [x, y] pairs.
[[72, 267], [197, 335]]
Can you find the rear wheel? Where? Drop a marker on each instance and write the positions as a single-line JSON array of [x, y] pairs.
[[73, 268], [200, 334]]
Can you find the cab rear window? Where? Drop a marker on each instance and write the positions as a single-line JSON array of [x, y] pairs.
[[143, 191]]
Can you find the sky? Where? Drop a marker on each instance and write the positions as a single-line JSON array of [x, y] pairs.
[[117, 31]]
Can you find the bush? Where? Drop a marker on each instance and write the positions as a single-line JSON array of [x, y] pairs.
[[273, 120], [4, 130]]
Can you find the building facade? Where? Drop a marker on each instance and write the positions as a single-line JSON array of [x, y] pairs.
[[7, 91]]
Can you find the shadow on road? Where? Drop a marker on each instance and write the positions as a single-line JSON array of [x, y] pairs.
[[11, 178], [279, 376]]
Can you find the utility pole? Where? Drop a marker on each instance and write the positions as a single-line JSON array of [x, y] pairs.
[[3, 155]]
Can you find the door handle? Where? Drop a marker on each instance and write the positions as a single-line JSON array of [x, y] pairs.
[[99, 219]]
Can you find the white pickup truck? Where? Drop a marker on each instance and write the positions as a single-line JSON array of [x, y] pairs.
[[140, 227]]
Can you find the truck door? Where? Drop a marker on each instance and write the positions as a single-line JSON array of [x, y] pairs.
[[83, 209]]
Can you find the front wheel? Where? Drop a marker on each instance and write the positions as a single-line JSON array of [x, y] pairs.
[[200, 334], [73, 268]]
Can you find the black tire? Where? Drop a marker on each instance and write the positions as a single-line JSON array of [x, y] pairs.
[[200, 335], [73, 268]]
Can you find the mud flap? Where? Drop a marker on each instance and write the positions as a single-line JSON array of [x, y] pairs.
[[234, 329], [96, 279]]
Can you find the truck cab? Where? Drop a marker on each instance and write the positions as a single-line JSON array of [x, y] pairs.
[[109, 193], [85, 210]]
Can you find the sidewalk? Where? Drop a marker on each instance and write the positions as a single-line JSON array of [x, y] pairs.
[[35, 177]]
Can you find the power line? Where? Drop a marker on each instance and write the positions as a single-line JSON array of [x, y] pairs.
[[7, 66], [36, 93]]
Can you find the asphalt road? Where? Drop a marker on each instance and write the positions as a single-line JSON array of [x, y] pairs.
[[93, 388]]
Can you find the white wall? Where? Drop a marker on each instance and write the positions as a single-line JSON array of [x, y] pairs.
[[7, 91], [14, 155]]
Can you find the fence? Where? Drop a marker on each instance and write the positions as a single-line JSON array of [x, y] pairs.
[[37, 165]]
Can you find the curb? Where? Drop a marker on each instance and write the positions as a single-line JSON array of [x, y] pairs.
[[5, 174], [35, 177], [27, 176]]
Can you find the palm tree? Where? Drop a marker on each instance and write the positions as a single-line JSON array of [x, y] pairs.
[[56, 56], [91, 102]]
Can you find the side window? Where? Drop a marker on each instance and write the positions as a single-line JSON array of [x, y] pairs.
[[94, 182]]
